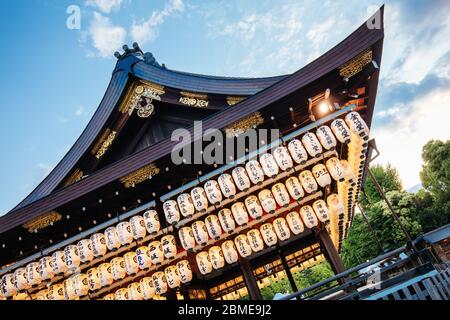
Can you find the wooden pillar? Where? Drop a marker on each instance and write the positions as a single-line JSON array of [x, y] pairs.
[[249, 278], [185, 292], [330, 251], [288, 272], [171, 295]]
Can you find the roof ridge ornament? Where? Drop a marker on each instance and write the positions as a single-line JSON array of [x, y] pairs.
[[148, 57]]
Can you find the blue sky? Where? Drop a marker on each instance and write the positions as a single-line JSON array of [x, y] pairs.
[[53, 78]]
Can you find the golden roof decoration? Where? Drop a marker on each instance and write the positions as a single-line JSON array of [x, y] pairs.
[[241, 126], [140, 175], [42, 221], [356, 64], [194, 99], [77, 175], [232, 100], [149, 90]]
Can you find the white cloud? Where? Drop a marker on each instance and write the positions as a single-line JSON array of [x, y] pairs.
[[79, 111], [105, 6], [106, 37], [44, 169]]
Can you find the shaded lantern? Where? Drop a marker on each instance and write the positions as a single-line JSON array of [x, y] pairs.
[[112, 239], [135, 291], [341, 131], [81, 283], [186, 238], [241, 178], [105, 274], [326, 137], [213, 192], [200, 232], [312, 145], [281, 228], [253, 206], [226, 220], [93, 279], [239, 213], [121, 294], [216, 256], [321, 210], [357, 125], [294, 187], [295, 222], [159, 282], [269, 165], [56, 292], [85, 250], [22, 296], [169, 246], [199, 199], [148, 290], [308, 182], [131, 263], [308, 216], [124, 232], [243, 245], [138, 229], [7, 285], [267, 201], [229, 252], [348, 171], [72, 258], [297, 151], [227, 185], [268, 234], [33, 276], [281, 194], [118, 268], [335, 168], [46, 268], [21, 280], [98, 244], [186, 205], [171, 212], [59, 262], [203, 262], [143, 258], [109, 296], [213, 226], [156, 252], [283, 159], [172, 277], [184, 271], [335, 204], [41, 295], [69, 289], [254, 171], [151, 220], [255, 240], [321, 175]]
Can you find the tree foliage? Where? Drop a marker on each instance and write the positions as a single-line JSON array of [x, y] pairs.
[[389, 180]]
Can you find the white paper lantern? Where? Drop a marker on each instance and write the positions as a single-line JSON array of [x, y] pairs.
[[243, 245], [109, 296], [98, 244], [105, 274], [226, 220], [281, 228], [297, 151], [187, 239], [227, 185], [41, 295], [122, 294], [254, 171], [135, 291], [213, 192], [7, 285], [349, 173], [200, 232], [186, 205], [321, 175], [204, 262], [147, 287], [112, 239], [151, 220], [131, 263], [295, 222], [326, 137], [283, 159], [124, 232], [308, 182], [335, 204], [281, 194], [253, 206], [118, 268], [169, 245], [308, 216], [267, 201], [33, 276], [59, 262], [312, 145], [160, 283], [294, 188], [241, 178], [269, 165], [357, 125], [172, 277], [81, 283], [171, 212], [143, 257], [255, 240], [138, 229], [239, 213], [184, 271], [71, 257], [216, 257], [93, 279], [85, 250], [21, 280], [229, 252], [321, 210], [56, 292], [46, 268], [340, 130], [268, 234], [156, 252], [335, 168], [213, 226], [199, 199]]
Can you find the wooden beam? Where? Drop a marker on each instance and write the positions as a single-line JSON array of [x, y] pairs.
[[249, 278], [330, 251], [288, 272]]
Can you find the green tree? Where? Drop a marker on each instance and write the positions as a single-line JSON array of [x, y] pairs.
[[388, 178]]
